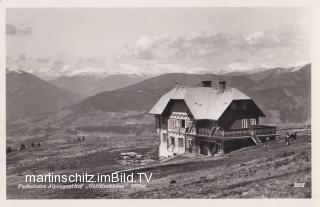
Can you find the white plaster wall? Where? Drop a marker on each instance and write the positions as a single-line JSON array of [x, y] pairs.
[[165, 150], [176, 149]]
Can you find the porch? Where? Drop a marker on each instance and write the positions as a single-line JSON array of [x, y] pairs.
[[257, 130]]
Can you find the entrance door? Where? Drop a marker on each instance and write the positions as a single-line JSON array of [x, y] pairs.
[[190, 145], [203, 148], [172, 141]]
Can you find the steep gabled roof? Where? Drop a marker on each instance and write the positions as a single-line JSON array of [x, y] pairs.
[[203, 102]]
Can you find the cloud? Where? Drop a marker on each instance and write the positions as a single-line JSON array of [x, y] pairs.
[[238, 66], [278, 46], [198, 52], [254, 38], [203, 45], [22, 29], [172, 47], [298, 63], [43, 60], [143, 47]]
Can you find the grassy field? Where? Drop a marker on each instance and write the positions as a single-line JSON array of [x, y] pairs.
[[267, 171], [255, 172]]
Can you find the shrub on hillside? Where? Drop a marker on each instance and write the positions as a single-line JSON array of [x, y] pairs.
[[9, 149], [22, 147]]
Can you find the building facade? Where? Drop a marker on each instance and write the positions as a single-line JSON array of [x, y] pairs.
[[207, 120]]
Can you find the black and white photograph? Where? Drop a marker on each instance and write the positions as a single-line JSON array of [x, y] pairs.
[[158, 102]]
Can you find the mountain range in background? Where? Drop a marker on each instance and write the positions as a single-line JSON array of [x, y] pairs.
[[89, 85], [28, 95], [284, 94]]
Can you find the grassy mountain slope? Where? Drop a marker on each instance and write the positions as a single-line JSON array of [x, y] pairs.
[[28, 95], [283, 95], [89, 85]]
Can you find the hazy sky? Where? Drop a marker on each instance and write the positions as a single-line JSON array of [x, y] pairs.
[[203, 37]]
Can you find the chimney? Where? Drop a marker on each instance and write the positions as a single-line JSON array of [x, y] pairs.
[[206, 83], [222, 86]]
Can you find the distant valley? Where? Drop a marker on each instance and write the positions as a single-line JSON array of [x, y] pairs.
[[88, 85], [283, 94]]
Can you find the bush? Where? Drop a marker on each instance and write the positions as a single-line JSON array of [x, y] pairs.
[[9, 150], [22, 147]]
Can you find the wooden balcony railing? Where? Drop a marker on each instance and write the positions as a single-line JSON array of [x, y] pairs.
[[257, 130], [177, 130]]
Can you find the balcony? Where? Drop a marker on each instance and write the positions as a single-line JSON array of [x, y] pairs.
[[177, 130], [220, 133]]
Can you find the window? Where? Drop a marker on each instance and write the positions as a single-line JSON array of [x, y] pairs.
[[234, 105], [172, 140], [190, 142], [244, 105], [164, 137], [178, 123], [180, 142], [188, 124], [183, 123], [244, 123], [171, 123], [253, 122]]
